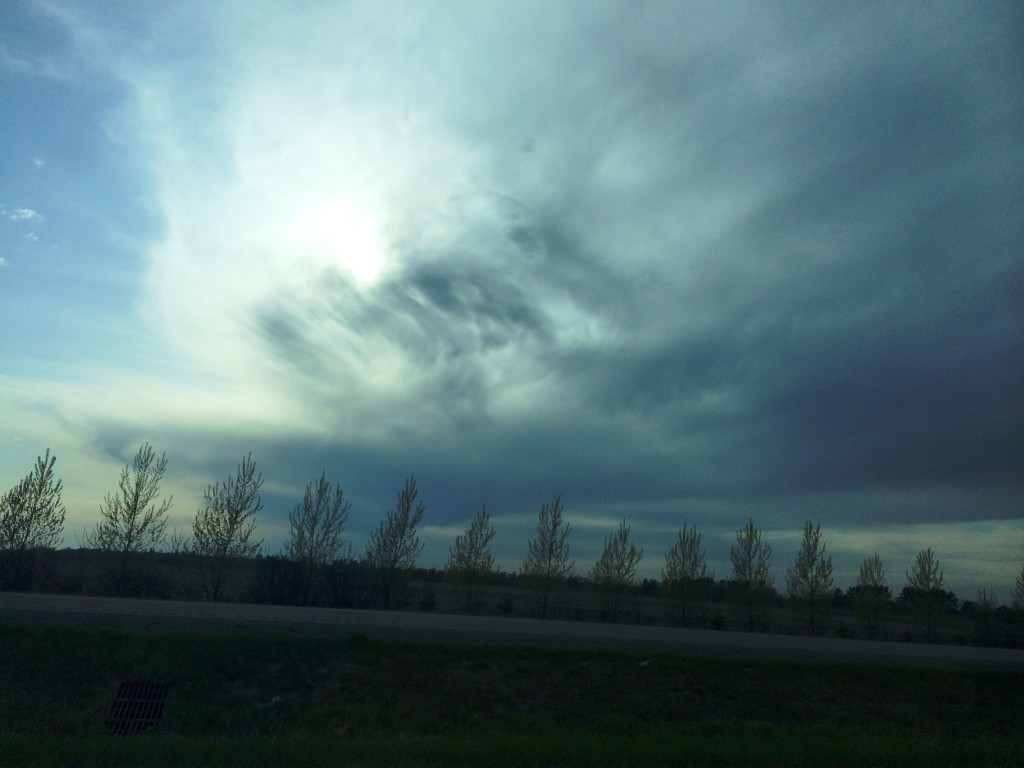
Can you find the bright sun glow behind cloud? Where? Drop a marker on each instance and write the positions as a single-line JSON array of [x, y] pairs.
[[337, 234], [272, 182], [326, 220], [682, 263]]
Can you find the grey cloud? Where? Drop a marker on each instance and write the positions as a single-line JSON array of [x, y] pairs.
[[445, 317], [757, 259], [286, 332], [525, 238], [840, 334], [801, 247], [497, 307]]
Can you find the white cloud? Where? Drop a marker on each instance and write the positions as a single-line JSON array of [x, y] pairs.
[[312, 153], [41, 66], [315, 168], [25, 214]]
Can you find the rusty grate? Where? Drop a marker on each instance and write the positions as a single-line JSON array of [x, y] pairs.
[[138, 706]]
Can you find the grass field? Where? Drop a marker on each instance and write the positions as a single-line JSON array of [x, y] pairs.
[[289, 701]]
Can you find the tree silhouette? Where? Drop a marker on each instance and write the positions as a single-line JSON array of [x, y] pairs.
[[470, 560], [685, 573], [615, 570], [751, 583], [224, 526], [547, 557], [1018, 590], [130, 522], [314, 537], [394, 546], [871, 594], [984, 614], [31, 516], [924, 587], [809, 581]]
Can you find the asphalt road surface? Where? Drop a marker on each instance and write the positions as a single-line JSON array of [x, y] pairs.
[[168, 616]]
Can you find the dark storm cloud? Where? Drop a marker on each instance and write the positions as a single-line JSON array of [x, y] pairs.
[[441, 319], [440, 310], [496, 307], [794, 258], [681, 263], [857, 327]]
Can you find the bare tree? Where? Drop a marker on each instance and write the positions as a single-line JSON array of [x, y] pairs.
[[179, 542], [615, 570], [985, 616], [924, 581], [685, 572], [316, 527], [130, 521], [547, 556], [394, 546], [752, 586], [872, 595], [31, 516], [809, 582], [1018, 590], [224, 527], [470, 561]]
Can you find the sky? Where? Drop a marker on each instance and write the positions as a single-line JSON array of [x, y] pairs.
[[683, 263]]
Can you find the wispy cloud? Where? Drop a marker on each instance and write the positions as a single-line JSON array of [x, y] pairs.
[[41, 66], [24, 214], [673, 261]]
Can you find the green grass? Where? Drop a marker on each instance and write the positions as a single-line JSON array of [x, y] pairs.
[[286, 701], [737, 746]]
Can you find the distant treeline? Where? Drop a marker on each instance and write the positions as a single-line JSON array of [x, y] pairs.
[[130, 552]]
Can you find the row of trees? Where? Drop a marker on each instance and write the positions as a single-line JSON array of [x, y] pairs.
[[809, 584], [133, 520]]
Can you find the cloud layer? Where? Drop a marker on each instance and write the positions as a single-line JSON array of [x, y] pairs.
[[680, 263]]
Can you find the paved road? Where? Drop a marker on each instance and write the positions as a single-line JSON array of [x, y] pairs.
[[219, 618]]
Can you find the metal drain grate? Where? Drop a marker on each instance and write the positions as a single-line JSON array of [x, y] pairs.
[[138, 706]]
